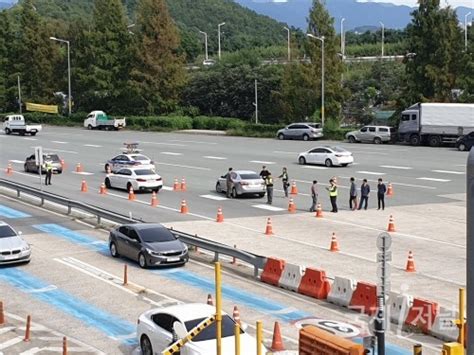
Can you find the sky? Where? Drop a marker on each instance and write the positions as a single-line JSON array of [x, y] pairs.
[[453, 3]]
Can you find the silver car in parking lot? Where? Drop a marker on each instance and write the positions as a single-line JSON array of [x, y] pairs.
[[305, 131], [244, 182], [13, 248]]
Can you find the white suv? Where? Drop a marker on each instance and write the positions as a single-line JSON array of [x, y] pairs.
[[372, 134]]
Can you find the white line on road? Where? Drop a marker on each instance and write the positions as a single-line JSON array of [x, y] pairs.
[[16, 161], [10, 342], [262, 162], [59, 142], [185, 166], [196, 142], [397, 183], [396, 167], [369, 172], [160, 143], [214, 197], [215, 158], [57, 150], [171, 153], [433, 179], [6, 330], [93, 145], [314, 167], [449, 172], [167, 188], [283, 152], [371, 152], [30, 139], [82, 173], [269, 208]]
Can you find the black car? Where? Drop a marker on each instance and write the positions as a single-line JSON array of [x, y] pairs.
[[151, 244], [465, 142]]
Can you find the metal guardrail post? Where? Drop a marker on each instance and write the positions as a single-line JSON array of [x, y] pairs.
[[18, 193], [216, 256], [470, 251]]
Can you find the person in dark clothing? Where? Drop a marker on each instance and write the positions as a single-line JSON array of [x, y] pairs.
[[381, 190], [285, 180], [314, 196], [229, 183], [364, 194], [264, 173], [353, 195], [269, 185], [333, 194]]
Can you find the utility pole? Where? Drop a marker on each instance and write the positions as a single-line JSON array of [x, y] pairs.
[[322, 75], [256, 102], [68, 70], [219, 37], [19, 95], [343, 39], [383, 37], [470, 250], [205, 44], [289, 47], [465, 30]]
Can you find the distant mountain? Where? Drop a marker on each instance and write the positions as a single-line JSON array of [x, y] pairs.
[[357, 14], [6, 4]]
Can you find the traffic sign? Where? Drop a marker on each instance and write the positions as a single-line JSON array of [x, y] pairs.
[[387, 256], [384, 241]]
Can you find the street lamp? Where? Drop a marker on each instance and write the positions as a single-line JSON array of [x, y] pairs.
[[219, 37], [289, 50], [205, 43], [343, 39], [465, 30], [383, 36], [68, 69], [322, 74]]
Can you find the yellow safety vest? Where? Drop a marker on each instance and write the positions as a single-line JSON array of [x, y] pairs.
[[333, 191], [269, 181], [49, 166]]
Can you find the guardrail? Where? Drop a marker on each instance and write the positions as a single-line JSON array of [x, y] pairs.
[[257, 261]]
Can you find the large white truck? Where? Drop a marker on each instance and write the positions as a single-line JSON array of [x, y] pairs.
[[99, 119], [435, 123], [17, 124]]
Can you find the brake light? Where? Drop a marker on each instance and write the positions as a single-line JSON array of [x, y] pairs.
[[244, 183], [338, 155], [141, 180], [159, 179]]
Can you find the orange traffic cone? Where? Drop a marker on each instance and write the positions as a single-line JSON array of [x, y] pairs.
[[269, 229], [103, 190], [131, 194], [63, 164], [2, 314], [83, 186], [294, 189], [277, 342], [210, 302], [410, 263], [319, 211], [184, 207], [389, 189], [154, 199], [334, 244], [79, 168], [183, 184], [391, 225], [291, 206], [220, 215], [176, 186], [9, 169], [236, 315]]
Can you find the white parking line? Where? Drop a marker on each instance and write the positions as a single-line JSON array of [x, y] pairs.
[[171, 153], [283, 152], [172, 144], [449, 172], [314, 167], [184, 166], [196, 142], [82, 173], [262, 162], [370, 172], [10, 342], [433, 179], [59, 142], [214, 197], [16, 161], [57, 150], [167, 188], [93, 145], [396, 167], [30, 139], [269, 208], [215, 158]]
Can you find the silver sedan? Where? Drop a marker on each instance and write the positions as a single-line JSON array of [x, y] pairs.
[[244, 182]]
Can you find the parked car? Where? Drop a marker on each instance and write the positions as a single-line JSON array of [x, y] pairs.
[[373, 134], [13, 248], [138, 178], [17, 124], [245, 182], [128, 161], [305, 131], [328, 156], [150, 244], [155, 330], [30, 163], [465, 142]]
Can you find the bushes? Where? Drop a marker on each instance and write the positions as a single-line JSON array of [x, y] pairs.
[[255, 130], [159, 123]]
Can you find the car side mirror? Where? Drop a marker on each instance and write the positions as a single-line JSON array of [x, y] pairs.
[[180, 330]]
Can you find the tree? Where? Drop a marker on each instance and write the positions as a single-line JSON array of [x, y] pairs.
[[158, 75], [4, 32]]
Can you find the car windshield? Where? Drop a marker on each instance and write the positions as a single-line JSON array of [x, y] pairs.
[[339, 149], [139, 157], [156, 234], [144, 172], [249, 176], [51, 157], [6, 232], [316, 125], [209, 333]]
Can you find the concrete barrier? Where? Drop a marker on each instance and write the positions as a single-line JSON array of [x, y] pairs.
[[315, 284], [399, 305], [443, 327], [341, 291], [291, 277], [272, 271], [364, 298], [422, 314]]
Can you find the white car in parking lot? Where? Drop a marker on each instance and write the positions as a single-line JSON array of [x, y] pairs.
[[13, 249], [138, 179], [155, 331], [328, 156]]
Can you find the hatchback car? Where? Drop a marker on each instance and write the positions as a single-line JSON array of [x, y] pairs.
[[150, 244], [372, 134], [139, 179], [328, 156], [128, 161], [13, 248], [465, 143], [244, 182], [156, 327], [30, 163], [305, 131]]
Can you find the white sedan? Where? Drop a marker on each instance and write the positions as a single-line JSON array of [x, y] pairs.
[[155, 331], [135, 178], [328, 156], [13, 249]]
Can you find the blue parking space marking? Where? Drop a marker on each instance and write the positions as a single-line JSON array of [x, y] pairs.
[[74, 237], [93, 316], [8, 212]]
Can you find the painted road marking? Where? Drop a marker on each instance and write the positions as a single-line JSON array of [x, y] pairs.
[[59, 142], [8, 212], [370, 172], [16, 161], [269, 208], [171, 153], [394, 183], [167, 188], [314, 167], [10, 342], [30, 139], [214, 197], [215, 158], [433, 179], [113, 326], [196, 142], [262, 162], [283, 152], [82, 173], [449, 172], [396, 167], [184, 166], [57, 150], [160, 143], [93, 145]]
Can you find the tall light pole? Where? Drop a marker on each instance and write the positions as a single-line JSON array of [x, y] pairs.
[[465, 30], [205, 43], [322, 74], [68, 70], [383, 37], [219, 37], [343, 39], [289, 48], [256, 102]]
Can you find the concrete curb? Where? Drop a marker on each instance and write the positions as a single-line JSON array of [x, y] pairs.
[[205, 132]]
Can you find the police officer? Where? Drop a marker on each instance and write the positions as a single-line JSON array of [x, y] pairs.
[[269, 185], [284, 178], [49, 172], [333, 194], [229, 183]]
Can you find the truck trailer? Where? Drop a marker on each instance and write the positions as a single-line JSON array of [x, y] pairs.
[[435, 123]]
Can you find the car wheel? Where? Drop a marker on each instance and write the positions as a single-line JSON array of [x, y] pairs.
[[462, 147], [302, 160], [344, 165], [89, 127], [377, 140], [142, 261], [351, 139], [107, 183], [305, 137], [113, 250], [328, 163], [145, 345], [60, 171], [234, 192], [7, 131], [261, 195], [415, 139], [129, 186], [435, 141], [218, 187], [281, 136], [33, 133]]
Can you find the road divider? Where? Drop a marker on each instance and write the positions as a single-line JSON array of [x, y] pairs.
[[272, 271], [291, 277], [315, 284], [342, 290], [422, 314], [364, 298]]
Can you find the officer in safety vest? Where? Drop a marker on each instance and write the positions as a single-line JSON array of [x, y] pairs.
[[333, 194], [269, 185], [49, 171]]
